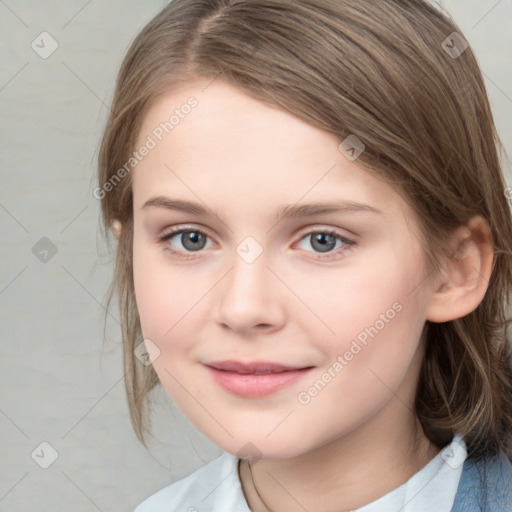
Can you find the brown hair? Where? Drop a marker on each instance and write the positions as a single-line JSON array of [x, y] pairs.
[[389, 73]]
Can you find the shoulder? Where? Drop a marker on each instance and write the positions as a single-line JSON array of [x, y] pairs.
[[485, 485], [212, 487]]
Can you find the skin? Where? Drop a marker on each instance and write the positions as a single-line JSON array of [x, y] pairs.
[[358, 438]]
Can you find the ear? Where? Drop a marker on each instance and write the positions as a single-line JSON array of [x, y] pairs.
[[461, 285], [116, 228]]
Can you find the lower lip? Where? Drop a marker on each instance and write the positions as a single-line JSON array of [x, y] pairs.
[[255, 386]]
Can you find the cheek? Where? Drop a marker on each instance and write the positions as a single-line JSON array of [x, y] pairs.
[[372, 316], [346, 302], [377, 333], [161, 296]]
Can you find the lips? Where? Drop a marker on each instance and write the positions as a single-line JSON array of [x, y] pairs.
[[255, 379], [255, 368]]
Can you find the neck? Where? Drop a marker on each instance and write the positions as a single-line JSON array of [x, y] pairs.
[[350, 471]]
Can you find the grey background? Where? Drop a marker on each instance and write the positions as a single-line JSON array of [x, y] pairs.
[[59, 383]]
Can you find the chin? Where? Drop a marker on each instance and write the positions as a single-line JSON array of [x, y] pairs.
[[258, 449]]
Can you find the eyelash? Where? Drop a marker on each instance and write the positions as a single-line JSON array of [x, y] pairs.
[[179, 230]]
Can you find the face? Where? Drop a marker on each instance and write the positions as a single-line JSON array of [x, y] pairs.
[[331, 302]]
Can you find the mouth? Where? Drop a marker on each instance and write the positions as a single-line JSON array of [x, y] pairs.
[[255, 379]]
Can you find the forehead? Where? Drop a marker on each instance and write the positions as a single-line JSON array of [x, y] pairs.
[[230, 149]]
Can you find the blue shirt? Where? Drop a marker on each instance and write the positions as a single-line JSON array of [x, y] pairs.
[[485, 486]]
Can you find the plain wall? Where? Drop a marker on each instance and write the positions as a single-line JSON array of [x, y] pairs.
[[59, 382]]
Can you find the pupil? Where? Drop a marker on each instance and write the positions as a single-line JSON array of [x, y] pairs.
[[192, 240], [325, 245]]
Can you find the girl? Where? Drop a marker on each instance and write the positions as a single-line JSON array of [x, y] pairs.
[[315, 254]]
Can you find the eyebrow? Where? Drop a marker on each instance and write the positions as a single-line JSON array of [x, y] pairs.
[[286, 211]]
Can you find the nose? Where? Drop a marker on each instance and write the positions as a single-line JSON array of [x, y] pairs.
[[251, 297]]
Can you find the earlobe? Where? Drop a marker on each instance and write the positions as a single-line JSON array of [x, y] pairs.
[[116, 228], [465, 278]]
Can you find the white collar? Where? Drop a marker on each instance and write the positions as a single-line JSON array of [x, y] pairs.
[[216, 487]]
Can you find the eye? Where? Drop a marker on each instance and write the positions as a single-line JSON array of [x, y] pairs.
[[191, 240], [325, 241], [194, 240]]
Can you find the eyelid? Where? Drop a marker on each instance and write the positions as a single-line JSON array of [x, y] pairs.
[[346, 240], [303, 232], [179, 228], [341, 232]]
